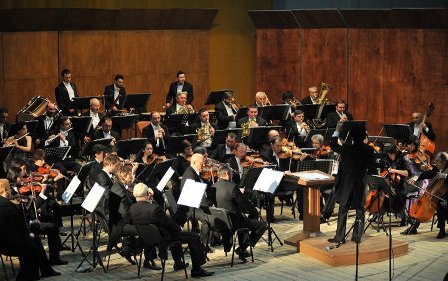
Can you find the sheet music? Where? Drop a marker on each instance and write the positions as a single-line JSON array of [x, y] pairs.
[[312, 176], [169, 173], [268, 181], [71, 189], [192, 193], [93, 197]]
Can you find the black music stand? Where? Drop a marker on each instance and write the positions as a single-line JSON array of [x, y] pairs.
[[259, 135], [327, 109], [5, 153], [57, 153], [83, 102], [176, 122], [194, 118], [220, 135], [275, 112], [130, 146], [348, 125], [125, 122], [321, 165], [248, 181], [216, 96], [137, 101], [160, 169], [81, 124], [309, 110], [397, 131], [242, 112], [87, 149], [175, 142]]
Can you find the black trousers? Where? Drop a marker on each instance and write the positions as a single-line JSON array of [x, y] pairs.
[[256, 229], [197, 249], [358, 229]]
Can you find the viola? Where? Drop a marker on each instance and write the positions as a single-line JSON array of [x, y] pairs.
[[249, 162], [48, 170], [421, 159], [375, 147]]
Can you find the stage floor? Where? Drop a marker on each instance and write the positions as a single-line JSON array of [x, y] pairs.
[[427, 259]]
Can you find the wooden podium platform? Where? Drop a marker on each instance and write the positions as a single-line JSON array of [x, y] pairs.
[[371, 249]]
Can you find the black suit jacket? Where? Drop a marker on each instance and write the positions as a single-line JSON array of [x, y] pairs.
[[172, 92], [92, 129], [219, 153], [94, 170], [306, 100], [234, 165], [13, 229], [227, 194], [41, 132], [109, 91], [6, 128], [333, 118], [148, 133], [430, 134], [223, 116], [105, 181], [71, 142], [260, 121], [62, 97], [356, 160]]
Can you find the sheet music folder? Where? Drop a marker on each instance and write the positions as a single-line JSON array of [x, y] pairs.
[[397, 131], [216, 96]]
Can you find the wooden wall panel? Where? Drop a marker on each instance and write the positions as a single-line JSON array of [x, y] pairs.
[[2, 90], [278, 63], [30, 67], [323, 56]]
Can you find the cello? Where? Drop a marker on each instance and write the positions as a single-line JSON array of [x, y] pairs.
[[425, 207]]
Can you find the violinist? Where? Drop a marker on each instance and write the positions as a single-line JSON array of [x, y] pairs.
[[224, 150], [236, 162], [46, 222], [322, 151], [52, 174], [183, 158], [157, 133], [21, 141], [16, 240], [440, 171], [340, 115], [226, 111]]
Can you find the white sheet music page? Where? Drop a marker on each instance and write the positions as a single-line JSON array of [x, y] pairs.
[[93, 197], [312, 176], [71, 188], [268, 180], [192, 193], [169, 173]]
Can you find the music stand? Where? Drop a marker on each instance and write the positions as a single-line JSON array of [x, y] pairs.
[[309, 110], [348, 125], [216, 96], [5, 153], [275, 112], [160, 169], [397, 131], [380, 139], [81, 124], [131, 146], [259, 135], [67, 196], [242, 112], [326, 133], [82, 102], [31, 125], [57, 153], [322, 165], [87, 149], [175, 142], [327, 109], [221, 135], [139, 101], [194, 118], [176, 122], [124, 121]]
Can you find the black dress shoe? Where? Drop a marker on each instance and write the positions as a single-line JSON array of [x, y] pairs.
[[57, 262], [410, 231], [180, 265], [441, 235], [334, 240], [62, 233], [239, 252], [151, 264], [50, 274], [201, 273], [209, 250]]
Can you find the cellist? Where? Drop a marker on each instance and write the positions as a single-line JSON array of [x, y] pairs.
[[440, 171]]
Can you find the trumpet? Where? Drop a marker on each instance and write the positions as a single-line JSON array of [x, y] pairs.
[[306, 127], [235, 105], [268, 102]]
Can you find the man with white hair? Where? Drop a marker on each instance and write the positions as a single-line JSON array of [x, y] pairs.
[[143, 212]]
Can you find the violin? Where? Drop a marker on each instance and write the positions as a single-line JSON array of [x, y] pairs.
[[155, 159], [375, 147], [249, 162], [322, 152], [29, 188], [48, 170], [421, 159]]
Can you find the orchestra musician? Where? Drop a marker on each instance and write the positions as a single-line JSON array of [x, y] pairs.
[[16, 240], [313, 97], [95, 114], [339, 115], [356, 160], [224, 150], [21, 141], [182, 161], [178, 86], [230, 197], [252, 117], [261, 99], [114, 94], [144, 213], [5, 126], [235, 162], [226, 111], [181, 105], [106, 131], [298, 128], [203, 128], [65, 92], [418, 127], [46, 124], [99, 151], [156, 133]]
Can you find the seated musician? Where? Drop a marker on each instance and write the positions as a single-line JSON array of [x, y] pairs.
[[21, 141], [321, 151], [229, 197], [106, 131], [181, 106], [419, 127], [182, 161], [65, 92], [224, 150], [226, 111], [261, 99], [5, 126], [235, 162], [94, 112], [156, 133], [252, 119], [313, 98], [143, 213], [204, 129], [16, 240], [297, 128], [45, 222], [96, 165], [46, 124], [114, 94], [339, 115]]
